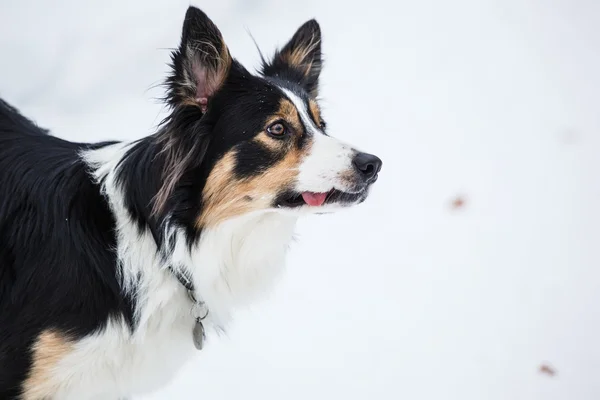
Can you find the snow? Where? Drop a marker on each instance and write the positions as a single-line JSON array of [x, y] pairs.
[[404, 297]]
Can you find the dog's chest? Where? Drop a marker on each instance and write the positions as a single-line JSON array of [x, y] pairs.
[[239, 260], [231, 265], [116, 363]]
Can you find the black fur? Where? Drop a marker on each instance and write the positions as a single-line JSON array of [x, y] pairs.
[[254, 158], [57, 264]]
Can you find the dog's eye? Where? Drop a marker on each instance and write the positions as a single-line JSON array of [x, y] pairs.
[[277, 129], [323, 124]]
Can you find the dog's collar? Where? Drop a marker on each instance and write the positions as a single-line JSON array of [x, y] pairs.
[[199, 310], [185, 281]]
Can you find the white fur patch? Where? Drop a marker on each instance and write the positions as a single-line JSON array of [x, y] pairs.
[[329, 158], [231, 265], [236, 262]]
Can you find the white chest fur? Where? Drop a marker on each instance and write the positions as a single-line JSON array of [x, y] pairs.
[[238, 260], [231, 265]]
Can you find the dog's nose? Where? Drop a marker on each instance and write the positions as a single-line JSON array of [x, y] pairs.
[[367, 165]]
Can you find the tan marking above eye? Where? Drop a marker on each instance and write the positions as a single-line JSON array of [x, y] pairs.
[[287, 112], [315, 112]]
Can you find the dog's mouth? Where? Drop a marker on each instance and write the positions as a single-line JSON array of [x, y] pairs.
[[313, 199]]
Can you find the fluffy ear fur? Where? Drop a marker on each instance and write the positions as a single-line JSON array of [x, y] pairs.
[[200, 64], [300, 59]]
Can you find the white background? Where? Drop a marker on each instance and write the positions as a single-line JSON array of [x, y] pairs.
[[403, 297]]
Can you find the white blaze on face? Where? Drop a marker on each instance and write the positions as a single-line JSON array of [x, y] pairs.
[[327, 160]]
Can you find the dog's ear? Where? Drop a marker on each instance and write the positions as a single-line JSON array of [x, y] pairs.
[[200, 64], [300, 59]]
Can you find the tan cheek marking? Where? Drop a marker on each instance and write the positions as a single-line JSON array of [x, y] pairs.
[[225, 197], [221, 195], [48, 350], [314, 110]]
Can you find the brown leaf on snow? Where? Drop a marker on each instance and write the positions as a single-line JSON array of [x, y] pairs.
[[547, 370], [458, 203]]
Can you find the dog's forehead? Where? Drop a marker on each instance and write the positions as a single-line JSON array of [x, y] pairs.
[[306, 105], [283, 89], [293, 92], [256, 99]]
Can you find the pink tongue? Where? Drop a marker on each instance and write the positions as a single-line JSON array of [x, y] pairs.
[[314, 199]]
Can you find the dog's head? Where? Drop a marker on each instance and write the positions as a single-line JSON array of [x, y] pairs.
[[256, 142]]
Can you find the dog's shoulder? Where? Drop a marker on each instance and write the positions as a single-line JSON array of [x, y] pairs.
[[58, 268], [13, 122]]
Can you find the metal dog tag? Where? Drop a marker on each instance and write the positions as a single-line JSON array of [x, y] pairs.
[[198, 334]]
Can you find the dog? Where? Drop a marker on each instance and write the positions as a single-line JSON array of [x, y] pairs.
[[117, 258]]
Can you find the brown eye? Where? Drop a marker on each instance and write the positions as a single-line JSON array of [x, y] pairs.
[[323, 124], [277, 129]]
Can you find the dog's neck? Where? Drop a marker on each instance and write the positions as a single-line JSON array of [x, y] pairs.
[[229, 265], [235, 262]]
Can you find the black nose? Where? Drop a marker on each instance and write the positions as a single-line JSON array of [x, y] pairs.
[[367, 165]]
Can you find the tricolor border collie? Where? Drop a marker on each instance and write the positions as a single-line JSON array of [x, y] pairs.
[[116, 258]]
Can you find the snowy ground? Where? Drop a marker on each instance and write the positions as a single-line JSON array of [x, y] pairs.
[[404, 297]]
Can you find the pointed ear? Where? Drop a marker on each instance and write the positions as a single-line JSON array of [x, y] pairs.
[[300, 59], [200, 64]]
